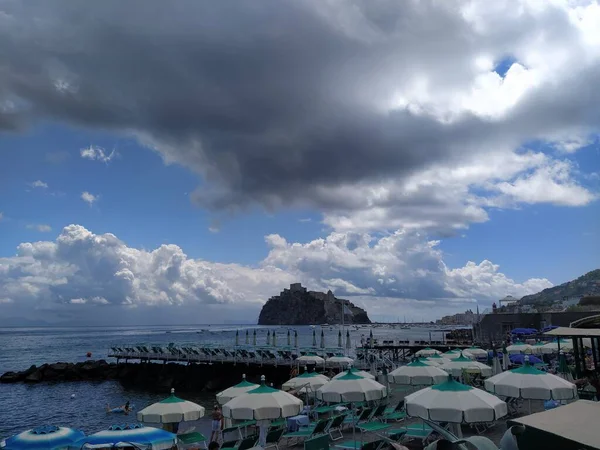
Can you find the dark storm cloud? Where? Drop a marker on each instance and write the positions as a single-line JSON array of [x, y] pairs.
[[267, 100]]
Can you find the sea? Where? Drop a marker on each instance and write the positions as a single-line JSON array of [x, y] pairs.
[[82, 405]]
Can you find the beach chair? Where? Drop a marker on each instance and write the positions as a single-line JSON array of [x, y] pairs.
[[363, 416], [309, 432], [395, 414], [419, 432], [192, 438], [335, 427], [378, 413], [273, 438], [317, 443], [244, 444], [356, 445]]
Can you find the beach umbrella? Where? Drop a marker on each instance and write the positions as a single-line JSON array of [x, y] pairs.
[[476, 352], [529, 383], [268, 337], [352, 370], [520, 359], [314, 338], [171, 410], [242, 387], [563, 368], [289, 338], [348, 342], [263, 403], [456, 366], [425, 361], [518, 347], [437, 359], [351, 388], [274, 339], [313, 380], [371, 337], [428, 352], [537, 348], [254, 338], [237, 337], [339, 360], [456, 403], [554, 346], [310, 358], [296, 338], [135, 435], [496, 366], [322, 339], [417, 374], [247, 337], [451, 354], [340, 338], [47, 437]]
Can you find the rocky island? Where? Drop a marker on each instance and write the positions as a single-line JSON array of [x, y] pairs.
[[298, 306]]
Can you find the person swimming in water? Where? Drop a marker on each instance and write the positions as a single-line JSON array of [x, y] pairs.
[[125, 409]]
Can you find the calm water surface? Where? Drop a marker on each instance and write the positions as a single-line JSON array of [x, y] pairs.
[[25, 406]]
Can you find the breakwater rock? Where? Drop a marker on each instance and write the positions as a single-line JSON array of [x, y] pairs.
[[151, 376], [299, 306]]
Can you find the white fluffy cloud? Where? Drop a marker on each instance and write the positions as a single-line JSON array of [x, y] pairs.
[[95, 153], [82, 270], [90, 199], [42, 228], [39, 184]]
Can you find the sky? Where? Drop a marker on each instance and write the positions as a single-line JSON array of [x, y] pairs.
[[181, 163]]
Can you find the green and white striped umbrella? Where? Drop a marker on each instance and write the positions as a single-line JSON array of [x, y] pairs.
[[171, 410], [563, 368], [428, 352], [352, 370], [310, 358], [529, 383], [518, 347], [235, 391], [455, 402], [313, 380], [263, 403], [417, 373], [351, 388], [457, 365]]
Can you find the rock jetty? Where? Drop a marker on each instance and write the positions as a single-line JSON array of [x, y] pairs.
[[151, 376], [298, 306]]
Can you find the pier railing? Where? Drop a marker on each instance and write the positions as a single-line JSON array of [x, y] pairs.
[[220, 354]]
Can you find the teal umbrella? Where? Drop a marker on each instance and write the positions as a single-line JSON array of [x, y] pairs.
[[237, 337], [289, 338], [314, 338], [339, 338], [254, 338], [348, 343], [268, 337], [563, 368], [295, 338], [322, 339], [247, 337]]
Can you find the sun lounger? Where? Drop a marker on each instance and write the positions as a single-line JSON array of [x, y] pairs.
[[357, 445], [317, 443], [273, 438], [192, 439], [309, 432], [335, 427], [419, 432], [244, 444]]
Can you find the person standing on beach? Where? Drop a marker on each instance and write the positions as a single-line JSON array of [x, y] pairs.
[[216, 424]]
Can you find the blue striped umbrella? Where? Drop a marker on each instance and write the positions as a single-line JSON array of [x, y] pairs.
[[47, 437], [128, 435]]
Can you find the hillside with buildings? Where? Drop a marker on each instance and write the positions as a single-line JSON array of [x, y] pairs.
[[298, 306], [585, 285]]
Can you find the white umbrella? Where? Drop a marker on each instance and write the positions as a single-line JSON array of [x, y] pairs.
[[455, 403], [262, 403], [360, 373], [450, 354], [351, 388], [538, 348], [428, 352], [427, 361], [235, 391], [457, 365], [417, 374], [437, 359], [339, 361], [313, 380], [476, 352], [518, 347], [171, 410], [529, 383], [310, 358], [553, 347]]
